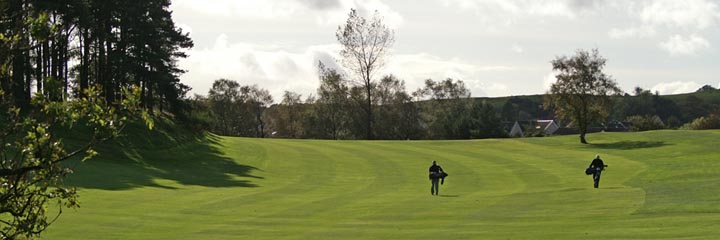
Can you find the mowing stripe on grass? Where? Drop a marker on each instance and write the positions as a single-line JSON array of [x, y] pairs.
[[660, 184]]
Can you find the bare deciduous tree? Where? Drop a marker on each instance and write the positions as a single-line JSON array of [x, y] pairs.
[[365, 43]]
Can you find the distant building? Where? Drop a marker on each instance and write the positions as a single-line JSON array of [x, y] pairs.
[[516, 130], [533, 128], [611, 126], [617, 126], [549, 127]]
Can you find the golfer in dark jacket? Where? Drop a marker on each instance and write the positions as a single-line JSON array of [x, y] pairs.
[[435, 176], [598, 166]]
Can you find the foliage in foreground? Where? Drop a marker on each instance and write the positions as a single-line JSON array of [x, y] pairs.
[[31, 173]]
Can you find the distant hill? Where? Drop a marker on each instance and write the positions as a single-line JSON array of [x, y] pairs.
[[531, 106]]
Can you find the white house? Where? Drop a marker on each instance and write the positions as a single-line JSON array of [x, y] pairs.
[[516, 130], [548, 126], [533, 128]]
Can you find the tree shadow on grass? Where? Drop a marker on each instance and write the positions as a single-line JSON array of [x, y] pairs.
[[628, 145], [132, 164]]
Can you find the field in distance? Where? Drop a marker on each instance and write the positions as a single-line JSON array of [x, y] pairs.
[[659, 184]]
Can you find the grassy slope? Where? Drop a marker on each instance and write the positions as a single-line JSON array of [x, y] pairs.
[[660, 184]]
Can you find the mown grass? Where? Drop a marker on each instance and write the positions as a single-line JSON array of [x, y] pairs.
[[660, 184]]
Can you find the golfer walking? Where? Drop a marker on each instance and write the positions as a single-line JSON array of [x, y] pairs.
[[598, 166], [436, 173]]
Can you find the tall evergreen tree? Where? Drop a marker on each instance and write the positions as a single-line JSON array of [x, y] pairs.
[[116, 44]]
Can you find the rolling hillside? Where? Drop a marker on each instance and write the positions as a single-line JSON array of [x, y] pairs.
[[660, 184]]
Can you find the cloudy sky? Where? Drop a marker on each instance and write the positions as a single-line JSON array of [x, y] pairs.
[[497, 47]]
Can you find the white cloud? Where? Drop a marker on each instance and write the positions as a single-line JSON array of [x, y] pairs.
[[679, 45], [549, 80], [517, 48], [278, 69], [390, 17], [670, 16], [699, 14], [541, 29], [247, 8], [270, 67], [632, 32], [331, 12], [492, 86], [415, 68], [520, 8], [677, 87]]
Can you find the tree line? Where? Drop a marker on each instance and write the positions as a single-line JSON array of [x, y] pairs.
[[439, 110], [337, 111]]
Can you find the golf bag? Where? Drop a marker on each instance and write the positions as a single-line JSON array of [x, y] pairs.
[[590, 171], [438, 175]]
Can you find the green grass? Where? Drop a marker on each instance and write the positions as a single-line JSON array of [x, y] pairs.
[[659, 185]]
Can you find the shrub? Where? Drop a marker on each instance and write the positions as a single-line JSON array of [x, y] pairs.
[[711, 121], [645, 123]]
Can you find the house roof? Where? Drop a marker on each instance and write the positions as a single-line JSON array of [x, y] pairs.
[[545, 123], [508, 126]]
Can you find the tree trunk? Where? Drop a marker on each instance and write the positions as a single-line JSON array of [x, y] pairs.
[[582, 136], [143, 88], [18, 79], [60, 67], [39, 68], [85, 62], [258, 118], [161, 102], [101, 60], [369, 112], [150, 88], [28, 76], [55, 71], [66, 58], [19, 57], [5, 84], [109, 91], [46, 66]]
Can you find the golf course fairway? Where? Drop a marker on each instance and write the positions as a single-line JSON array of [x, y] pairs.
[[659, 185]]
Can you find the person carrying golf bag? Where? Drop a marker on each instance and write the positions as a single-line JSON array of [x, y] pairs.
[[596, 167], [436, 174]]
